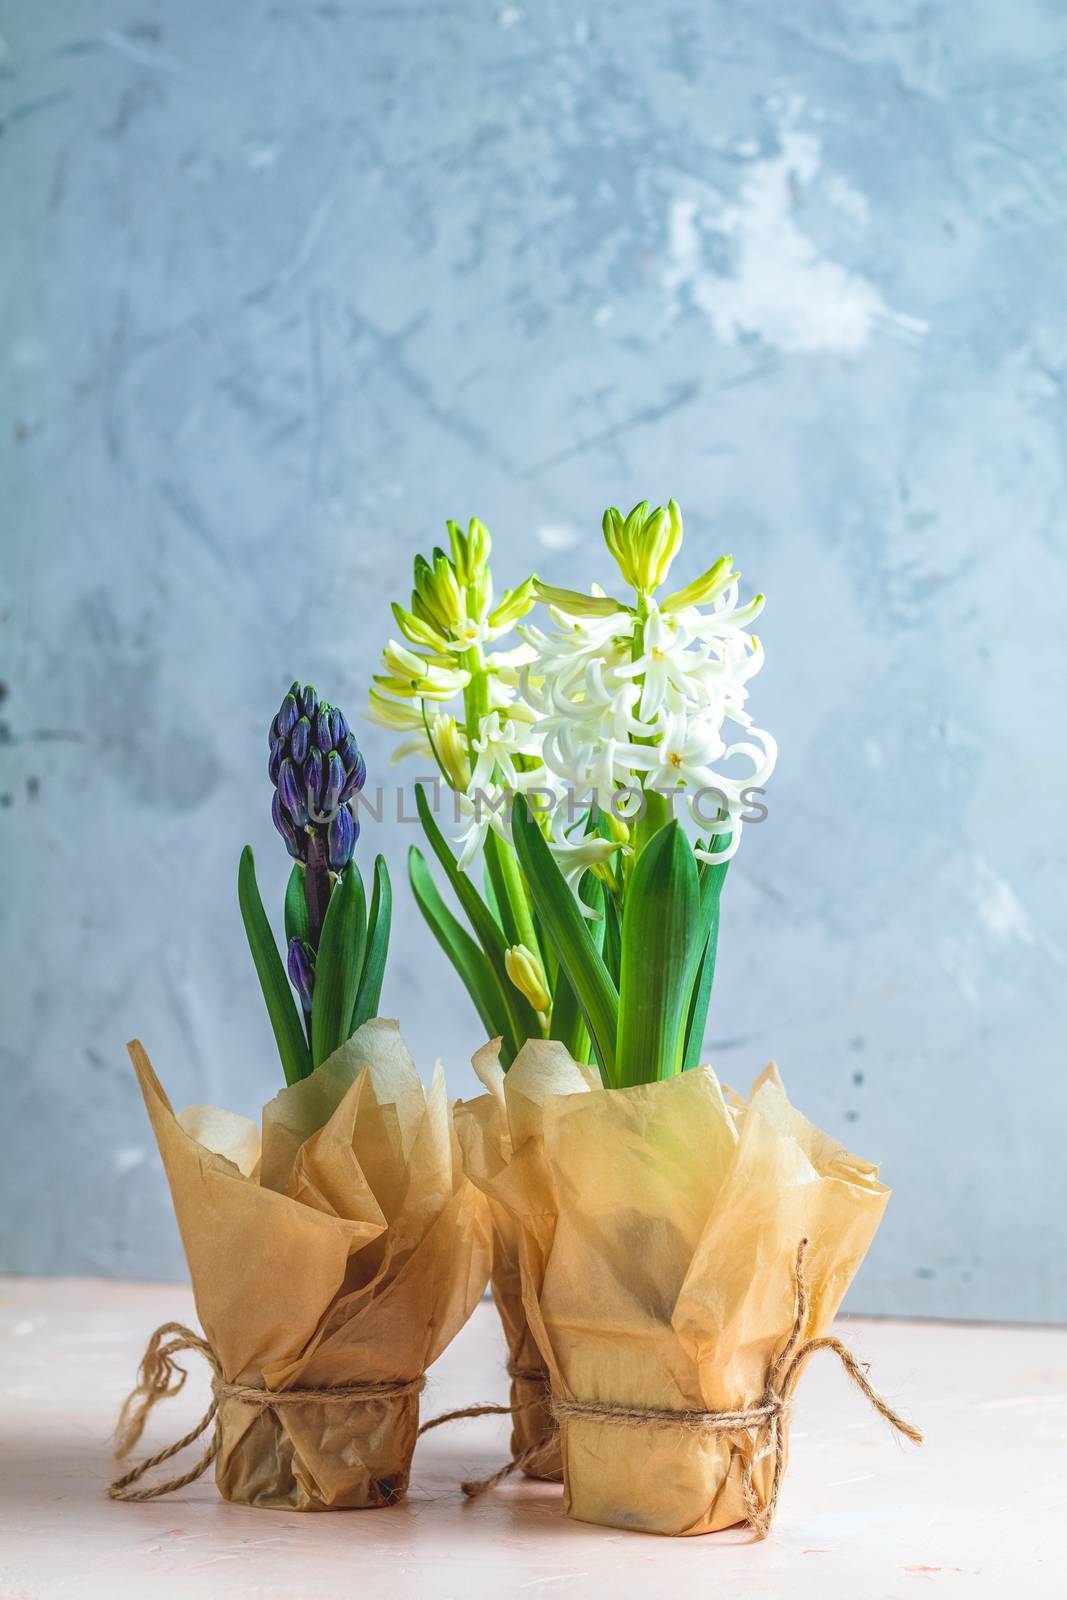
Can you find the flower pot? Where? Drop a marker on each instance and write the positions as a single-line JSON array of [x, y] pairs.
[[332, 1260], [658, 1239], [316, 1455]]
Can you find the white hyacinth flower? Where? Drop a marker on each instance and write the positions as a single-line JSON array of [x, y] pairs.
[[485, 808], [573, 859], [613, 717], [501, 739]]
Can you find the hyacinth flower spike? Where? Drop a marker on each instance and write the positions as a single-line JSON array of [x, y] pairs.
[[482, 748], [336, 948], [635, 700]]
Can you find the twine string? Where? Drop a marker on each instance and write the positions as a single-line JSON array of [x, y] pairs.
[[487, 1410], [765, 1418], [527, 1374], [516, 1374], [161, 1376], [475, 1487]]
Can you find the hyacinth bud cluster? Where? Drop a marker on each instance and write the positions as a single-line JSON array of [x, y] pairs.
[[645, 543], [316, 768], [452, 617]]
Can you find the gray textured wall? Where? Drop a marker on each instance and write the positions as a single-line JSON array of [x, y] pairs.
[[286, 284]]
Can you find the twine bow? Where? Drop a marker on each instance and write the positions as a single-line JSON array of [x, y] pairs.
[[782, 1379], [765, 1419], [161, 1376]]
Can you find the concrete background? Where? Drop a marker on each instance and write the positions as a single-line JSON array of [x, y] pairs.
[[285, 285]]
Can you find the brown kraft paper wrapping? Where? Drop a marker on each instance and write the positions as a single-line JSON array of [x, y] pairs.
[[342, 1245], [482, 1127], [658, 1233]]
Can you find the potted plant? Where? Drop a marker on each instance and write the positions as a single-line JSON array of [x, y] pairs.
[[335, 1250]]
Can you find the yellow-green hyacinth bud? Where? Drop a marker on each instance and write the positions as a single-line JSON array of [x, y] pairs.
[[527, 974], [645, 543], [704, 589], [672, 541], [403, 716], [419, 632], [649, 541], [514, 604], [414, 677], [481, 592], [451, 748], [438, 598], [470, 550], [399, 662], [613, 526], [479, 545], [616, 827], [457, 541], [575, 604]]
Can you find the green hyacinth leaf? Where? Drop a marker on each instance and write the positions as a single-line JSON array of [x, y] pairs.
[[470, 963], [273, 979], [490, 895], [379, 923], [297, 924], [338, 966], [568, 1024], [497, 888], [509, 892], [697, 1020], [568, 931], [522, 1019], [712, 878], [612, 948], [662, 939]]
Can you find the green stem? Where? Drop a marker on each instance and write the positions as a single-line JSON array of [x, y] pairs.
[[654, 817], [475, 695], [317, 879], [655, 814], [515, 893], [503, 867]]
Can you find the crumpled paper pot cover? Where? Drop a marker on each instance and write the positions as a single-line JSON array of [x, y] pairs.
[[341, 1245], [658, 1230], [482, 1126]]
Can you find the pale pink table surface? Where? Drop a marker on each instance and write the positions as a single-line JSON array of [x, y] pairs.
[[980, 1510]]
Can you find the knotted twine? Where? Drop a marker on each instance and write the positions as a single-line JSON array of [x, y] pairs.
[[161, 1376], [765, 1419]]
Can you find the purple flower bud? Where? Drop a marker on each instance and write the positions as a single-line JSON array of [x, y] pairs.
[[357, 776], [284, 824], [286, 718], [335, 782], [314, 773], [300, 740], [323, 736], [316, 767], [291, 791], [301, 970], [341, 839]]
